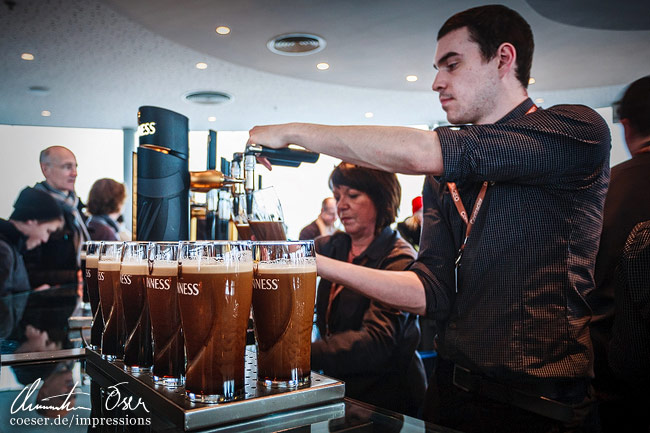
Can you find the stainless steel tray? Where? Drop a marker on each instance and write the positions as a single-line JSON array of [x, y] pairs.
[[320, 401]]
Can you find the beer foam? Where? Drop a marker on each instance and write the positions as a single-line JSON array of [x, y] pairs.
[[164, 268], [206, 267], [91, 261], [107, 265], [305, 266], [134, 268]]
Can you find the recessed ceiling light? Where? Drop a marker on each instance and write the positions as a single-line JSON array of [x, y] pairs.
[[323, 66], [201, 65], [531, 80], [45, 113], [223, 30], [296, 44], [369, 115], [27, 56], [212, 119], [539, 100], [411, 78]]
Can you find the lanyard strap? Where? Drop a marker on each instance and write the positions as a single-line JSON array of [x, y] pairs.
[[461, 208]]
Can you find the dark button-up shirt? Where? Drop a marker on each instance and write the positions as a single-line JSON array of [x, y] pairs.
[[519, 313]]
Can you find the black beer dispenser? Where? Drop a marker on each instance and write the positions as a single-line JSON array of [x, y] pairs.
[[163, 178]]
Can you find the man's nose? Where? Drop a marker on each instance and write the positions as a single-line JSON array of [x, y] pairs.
[[437, 84]]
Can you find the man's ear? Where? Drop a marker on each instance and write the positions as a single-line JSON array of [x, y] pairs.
[[507, 55]]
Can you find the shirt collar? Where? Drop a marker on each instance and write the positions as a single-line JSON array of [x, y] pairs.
[[377, 248], [519, 111]]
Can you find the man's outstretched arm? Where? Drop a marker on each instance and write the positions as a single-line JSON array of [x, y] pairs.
[[390, 148], [399, 289]]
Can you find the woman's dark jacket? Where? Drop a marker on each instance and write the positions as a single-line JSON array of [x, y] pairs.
[[370, 346]]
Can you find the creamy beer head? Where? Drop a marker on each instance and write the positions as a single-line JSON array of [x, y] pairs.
[[108, 265], [91, 261], [163, 268], [134, 268]]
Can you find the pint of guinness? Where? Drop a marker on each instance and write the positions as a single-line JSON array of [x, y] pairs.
[[160, 283], [110, 294], [90, 275], [284, 289], [214, 291], [138, 349]]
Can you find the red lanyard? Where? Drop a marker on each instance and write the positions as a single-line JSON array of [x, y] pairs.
[[463, 213]]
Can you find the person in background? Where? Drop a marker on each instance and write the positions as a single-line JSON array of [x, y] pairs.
[[513, 203], [627, 204], [324, 224], [365, 343], [629, 350], [58, 260], [105, 203], [36, 215], [411, 227]]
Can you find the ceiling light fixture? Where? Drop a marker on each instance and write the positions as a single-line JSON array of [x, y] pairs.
[[411, 78], [201, 65], [323, 66], [27, 56], [539, 100], [45, 113], [212, 119], [223, 30], [531, 80], [296, 44], [369, 115], [208, 97]]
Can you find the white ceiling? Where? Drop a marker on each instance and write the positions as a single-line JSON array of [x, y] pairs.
[[102, 59]]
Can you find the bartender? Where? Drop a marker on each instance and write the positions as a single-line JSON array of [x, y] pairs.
[[513, 211]]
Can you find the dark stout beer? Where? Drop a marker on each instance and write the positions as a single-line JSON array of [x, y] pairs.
[[108, 278], [268, 230], [168, 352], [243, 231], [95, 307], [215, 303], [283, 310], [138, 349]]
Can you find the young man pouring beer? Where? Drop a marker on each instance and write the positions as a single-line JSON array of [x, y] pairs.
[[513, 211]]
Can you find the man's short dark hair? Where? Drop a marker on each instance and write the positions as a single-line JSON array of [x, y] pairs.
[[492, 25], [635, 106], [382, 187]]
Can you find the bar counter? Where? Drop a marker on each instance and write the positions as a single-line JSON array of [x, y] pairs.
[[100, 397]]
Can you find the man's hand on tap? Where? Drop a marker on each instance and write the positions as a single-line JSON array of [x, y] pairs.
[[269, 136]]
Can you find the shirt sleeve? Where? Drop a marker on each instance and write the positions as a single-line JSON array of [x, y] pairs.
[[561, 145], [435, 263]]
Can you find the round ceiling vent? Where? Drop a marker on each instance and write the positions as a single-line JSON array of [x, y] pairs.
[[296, 44], [208, 97]]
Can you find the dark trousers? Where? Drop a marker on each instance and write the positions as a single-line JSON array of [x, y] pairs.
[[450, 406]]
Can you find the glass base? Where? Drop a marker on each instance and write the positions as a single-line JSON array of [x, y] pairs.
[[169, 382], [136, 369], [214, 398], [285, 384]]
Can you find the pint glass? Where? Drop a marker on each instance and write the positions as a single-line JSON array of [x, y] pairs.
[[108, 281], [138, 350], [284, 288], [215, 284], [265, 217], [161, 282], [90, 274]]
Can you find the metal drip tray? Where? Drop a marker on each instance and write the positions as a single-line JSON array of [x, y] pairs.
[[320, 401]]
